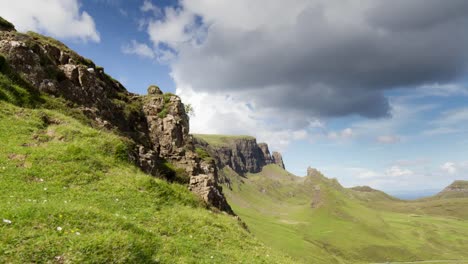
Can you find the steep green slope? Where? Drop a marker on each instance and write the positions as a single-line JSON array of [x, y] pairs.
[[316, 220], [68, 194], [220, 140]]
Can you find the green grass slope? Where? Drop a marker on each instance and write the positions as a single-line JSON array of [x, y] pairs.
[[69, 195], [220, 140], [316, 220]]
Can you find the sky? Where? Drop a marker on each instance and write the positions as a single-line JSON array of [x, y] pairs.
[[370, 92]]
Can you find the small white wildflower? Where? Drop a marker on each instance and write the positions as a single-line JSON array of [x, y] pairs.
[[3, 168], [65, 201], [59, 228], [41, 180], [191, 236], [45, 189], [6, 221], [77, 233], [116, 199], [212, 257]]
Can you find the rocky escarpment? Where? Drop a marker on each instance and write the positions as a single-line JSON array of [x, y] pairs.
[[241, 153], [156, 124]]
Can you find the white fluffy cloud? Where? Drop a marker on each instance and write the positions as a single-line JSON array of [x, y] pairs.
[[449, 167], [139, 49], [396, 171], [59, 18], [459, 169], [224, 114]]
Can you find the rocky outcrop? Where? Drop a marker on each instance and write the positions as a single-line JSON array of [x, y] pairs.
[[278, 159], [168, 130], [242, 154], [156, 124], [312, 172], [50, 67]]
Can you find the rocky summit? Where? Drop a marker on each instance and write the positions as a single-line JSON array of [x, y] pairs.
[[156, 124], [241, 153]]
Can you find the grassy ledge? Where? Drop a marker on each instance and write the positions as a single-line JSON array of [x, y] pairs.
[[221, 140]]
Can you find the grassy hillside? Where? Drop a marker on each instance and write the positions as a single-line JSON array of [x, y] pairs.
[[458, 189], [315, 220], [69, 195], [220, 140]]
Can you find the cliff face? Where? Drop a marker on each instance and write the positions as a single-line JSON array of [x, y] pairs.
[[242, 154], [156, 124]]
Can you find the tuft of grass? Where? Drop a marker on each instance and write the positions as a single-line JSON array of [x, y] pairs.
[[163, 113], [14, 89], [203, 154], [167, 99]]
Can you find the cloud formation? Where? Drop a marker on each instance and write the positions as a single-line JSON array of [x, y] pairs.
[[308, 59], [59, 18], [319, 58], [139, 49]]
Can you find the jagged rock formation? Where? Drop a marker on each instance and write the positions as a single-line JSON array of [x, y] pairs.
[[242, 154], [266, 153], [278, 159], [156, 124], [312, 172], [168, 129]]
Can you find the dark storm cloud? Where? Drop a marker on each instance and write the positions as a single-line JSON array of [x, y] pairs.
[[321, 67]]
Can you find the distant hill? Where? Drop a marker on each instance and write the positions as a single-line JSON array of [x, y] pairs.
[[458, 189], [369, 194]]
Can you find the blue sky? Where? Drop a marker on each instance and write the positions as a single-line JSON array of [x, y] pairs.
[[370, 92]]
